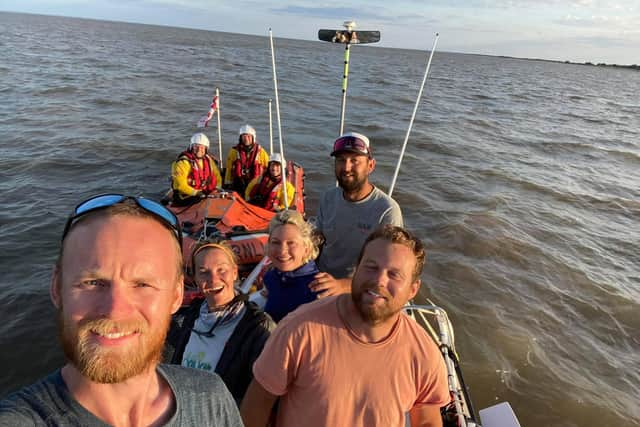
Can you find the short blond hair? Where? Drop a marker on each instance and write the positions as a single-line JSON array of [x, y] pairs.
[[306, 230]]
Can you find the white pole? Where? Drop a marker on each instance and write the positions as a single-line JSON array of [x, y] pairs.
[[275, 87], [413, 116], [245, 287], [219, 129], [270, 130]]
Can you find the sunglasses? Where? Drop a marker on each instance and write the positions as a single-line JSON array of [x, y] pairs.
[[351, 143], [104, 201]]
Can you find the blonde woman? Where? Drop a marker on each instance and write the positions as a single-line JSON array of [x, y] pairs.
[[224, 332], [292, 250]]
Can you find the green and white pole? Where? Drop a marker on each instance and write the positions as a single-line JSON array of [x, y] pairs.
[[345, 82]]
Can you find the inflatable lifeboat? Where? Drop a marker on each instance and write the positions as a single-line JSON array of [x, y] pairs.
[[225, 215]]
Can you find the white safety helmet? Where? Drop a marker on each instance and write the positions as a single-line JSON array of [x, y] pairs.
[[276, 157], [248, 130], [200, 139]]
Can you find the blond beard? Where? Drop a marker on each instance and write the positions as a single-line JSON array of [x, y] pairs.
[[374, 315], [111, 365]]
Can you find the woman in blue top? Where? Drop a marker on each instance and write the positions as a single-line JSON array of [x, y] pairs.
[[291, 249]]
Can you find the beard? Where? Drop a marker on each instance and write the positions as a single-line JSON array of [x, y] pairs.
[[374, 314], [107, 365], [351, 184]]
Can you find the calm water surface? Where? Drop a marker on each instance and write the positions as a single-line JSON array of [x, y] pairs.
[[522, 178]]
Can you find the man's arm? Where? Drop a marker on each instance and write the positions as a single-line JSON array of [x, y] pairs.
[[393, 216], [263, 158], [325, 285], [216, 173], [231, 157], [247, 191], [425, 416], [180, 173], [291, 191], [256, 405]]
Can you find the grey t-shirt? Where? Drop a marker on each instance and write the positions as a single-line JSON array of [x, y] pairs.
[[201, 399], [346, 225]]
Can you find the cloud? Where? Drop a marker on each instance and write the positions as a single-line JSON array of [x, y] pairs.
[[613, 22], [339, 13]]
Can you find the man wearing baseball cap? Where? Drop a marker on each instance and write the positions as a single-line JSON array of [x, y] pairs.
[[194, 174], [349, 213]]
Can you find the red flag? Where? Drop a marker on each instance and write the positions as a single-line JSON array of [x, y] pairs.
[[204, 120]]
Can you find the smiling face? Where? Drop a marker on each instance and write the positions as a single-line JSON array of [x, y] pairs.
[[383, 281], [287, 250], [246, 139], [215, 274], [198, 150], [352, 170], [275, 170], [115, 292]]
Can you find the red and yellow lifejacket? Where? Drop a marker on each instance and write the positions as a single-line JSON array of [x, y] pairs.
[[200, 178], [245, 167], [265, 192]]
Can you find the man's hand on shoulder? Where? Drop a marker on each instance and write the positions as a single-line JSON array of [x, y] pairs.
[[325, 285]]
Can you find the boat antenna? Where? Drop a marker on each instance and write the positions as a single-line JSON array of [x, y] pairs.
[[275, 88], [347, 37], [270, 130], [219, 126], [413, 116]]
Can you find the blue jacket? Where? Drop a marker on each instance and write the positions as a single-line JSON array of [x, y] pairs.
[[288, 289]]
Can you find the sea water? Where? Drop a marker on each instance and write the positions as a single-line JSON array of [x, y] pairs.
[[522, 177]]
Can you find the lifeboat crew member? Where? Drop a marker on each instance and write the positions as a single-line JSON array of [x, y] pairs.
[[266, 190], [194, 173], [245, 161]]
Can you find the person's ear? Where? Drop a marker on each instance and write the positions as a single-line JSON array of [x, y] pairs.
[[55, 287], [415, 287], [372, 165], [178, 295]]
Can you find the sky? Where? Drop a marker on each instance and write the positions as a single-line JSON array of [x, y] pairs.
[[596, 31]]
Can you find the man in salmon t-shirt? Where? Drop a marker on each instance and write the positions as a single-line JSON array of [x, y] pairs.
[[355, 360]]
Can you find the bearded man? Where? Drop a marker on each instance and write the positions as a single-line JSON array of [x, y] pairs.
[[355, 360], [349, 213], [117, 280]]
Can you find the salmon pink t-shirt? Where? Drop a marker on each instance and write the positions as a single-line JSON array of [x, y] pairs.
[[326, 376]]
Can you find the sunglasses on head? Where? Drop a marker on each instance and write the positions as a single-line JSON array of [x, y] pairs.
[[351, 143], [104, 201]]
